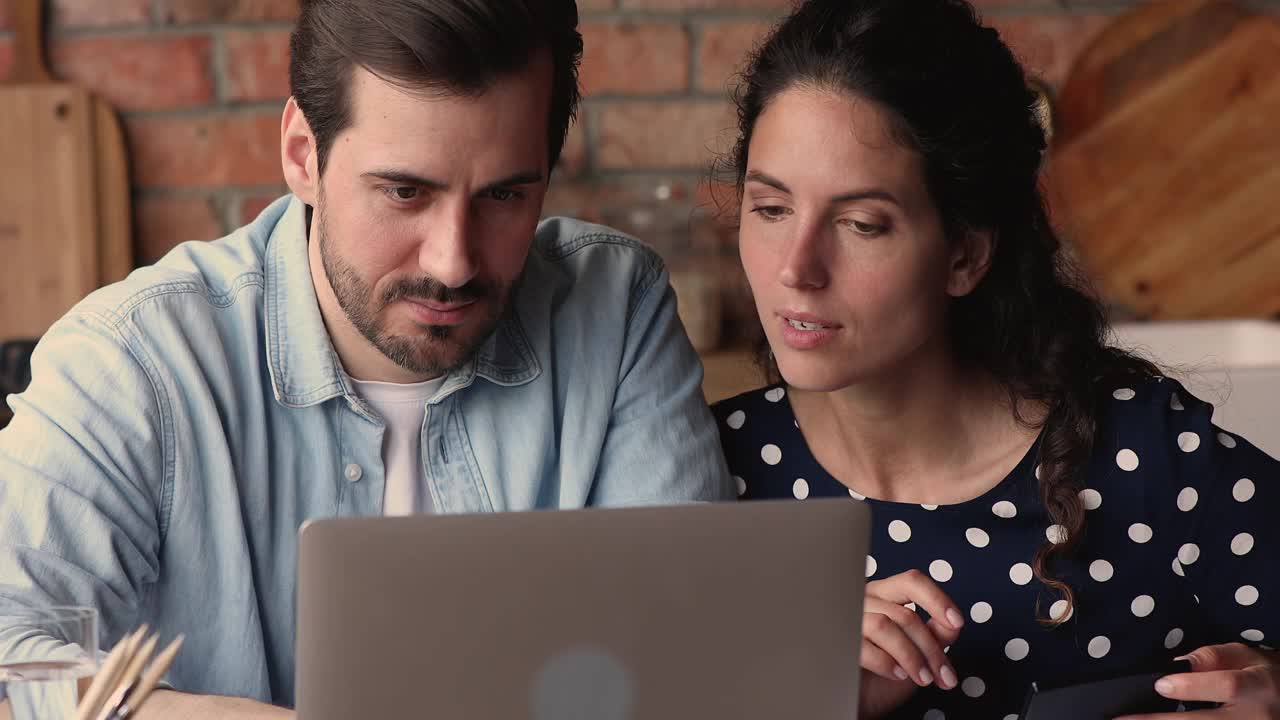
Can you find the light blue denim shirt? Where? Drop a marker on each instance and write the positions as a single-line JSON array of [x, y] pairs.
[[182, 424]]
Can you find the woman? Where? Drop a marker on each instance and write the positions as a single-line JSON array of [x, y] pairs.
[[1055, 506]]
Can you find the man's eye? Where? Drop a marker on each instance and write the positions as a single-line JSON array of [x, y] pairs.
[[502, 195], [403, 192]]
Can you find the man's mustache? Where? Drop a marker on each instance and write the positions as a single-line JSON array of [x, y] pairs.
[[428, 288]]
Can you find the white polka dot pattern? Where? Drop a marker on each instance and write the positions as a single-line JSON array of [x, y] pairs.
[[899, 531], [800, 489], [1127, 460], [1099, 647], [1058, 608], [1187, 499], [1142, 606], [1091, 499], [1021, 574], [1140, 533], [1188, 442], [977, 537], [1241, 544], [1243, 490], [980, 612], [771, 454], [1164, 486], [1016, 649]]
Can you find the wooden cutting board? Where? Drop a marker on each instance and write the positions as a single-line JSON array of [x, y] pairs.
[[64, 191], [1165, 165]]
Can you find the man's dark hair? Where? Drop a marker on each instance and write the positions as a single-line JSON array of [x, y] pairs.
[[450, 47]]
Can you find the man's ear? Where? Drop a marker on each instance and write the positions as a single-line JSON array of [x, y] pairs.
[[298, 154], [970, 261]]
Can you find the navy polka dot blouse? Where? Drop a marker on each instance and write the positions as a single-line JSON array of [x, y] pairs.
[[1181, 525]]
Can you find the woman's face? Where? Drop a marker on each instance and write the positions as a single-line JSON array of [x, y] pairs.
[[842, 245]]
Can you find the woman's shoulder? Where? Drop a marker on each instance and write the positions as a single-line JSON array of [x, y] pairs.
[[760, 439], [1155, 430], [763, 405]]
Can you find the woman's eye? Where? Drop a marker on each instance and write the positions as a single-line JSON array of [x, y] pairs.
[[771, 212], [863, 228]]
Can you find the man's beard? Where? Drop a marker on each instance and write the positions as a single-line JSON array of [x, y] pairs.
[[439, 349]]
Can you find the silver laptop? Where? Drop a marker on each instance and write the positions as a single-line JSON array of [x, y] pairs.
[[737, 610]]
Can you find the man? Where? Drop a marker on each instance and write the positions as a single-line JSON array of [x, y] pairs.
[[400, 335]]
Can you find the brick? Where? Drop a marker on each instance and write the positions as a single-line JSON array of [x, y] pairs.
[[573, 157], [101, 13], [634, 57], [253, 205], [6, 58], [723, 51], [180, 12], [163, 222], [607, 199], [257, 65], [779, 5], [1047, 45], [1019, 4], [664, 135], [210, 151], [139, 72]]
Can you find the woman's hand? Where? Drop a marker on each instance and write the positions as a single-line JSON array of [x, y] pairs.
[[900, 652], [1245, 680]]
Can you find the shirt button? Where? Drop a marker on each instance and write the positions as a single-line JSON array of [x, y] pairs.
[[353, 472]]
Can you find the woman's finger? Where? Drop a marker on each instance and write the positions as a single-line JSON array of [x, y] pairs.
[[912, 644], [1259, 684], [881, 663], [1229, 656], [914, 586]]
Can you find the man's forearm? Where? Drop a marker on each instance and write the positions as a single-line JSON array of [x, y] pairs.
[[167, 704]]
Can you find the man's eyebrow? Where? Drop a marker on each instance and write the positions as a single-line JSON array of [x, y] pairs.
[[395, 175]]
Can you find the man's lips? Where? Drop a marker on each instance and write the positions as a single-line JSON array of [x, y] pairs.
[[434, 312]]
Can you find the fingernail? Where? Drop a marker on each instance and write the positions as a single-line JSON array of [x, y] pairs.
[[900, 673], [926, 677], [1164, 686], [955, 618], [948, 677]]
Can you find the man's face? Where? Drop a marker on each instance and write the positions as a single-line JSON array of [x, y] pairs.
[[426, 210]]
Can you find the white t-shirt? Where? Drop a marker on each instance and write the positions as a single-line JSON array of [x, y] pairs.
[[402, 408]]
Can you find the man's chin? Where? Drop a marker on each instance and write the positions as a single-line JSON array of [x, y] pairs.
[[433, 349]]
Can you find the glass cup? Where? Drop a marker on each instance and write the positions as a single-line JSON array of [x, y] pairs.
[[44, 655]]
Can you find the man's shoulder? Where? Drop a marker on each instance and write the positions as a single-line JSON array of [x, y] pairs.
[[206, 273], [578, 247]]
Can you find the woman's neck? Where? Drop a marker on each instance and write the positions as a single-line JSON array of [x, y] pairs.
[[929, 432]]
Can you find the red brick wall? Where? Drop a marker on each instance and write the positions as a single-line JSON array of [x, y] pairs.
[[199, 85]]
